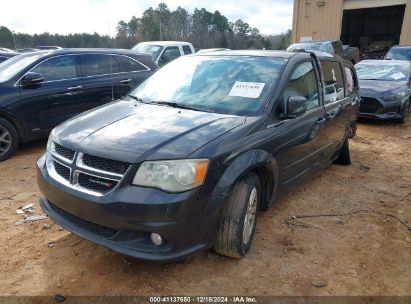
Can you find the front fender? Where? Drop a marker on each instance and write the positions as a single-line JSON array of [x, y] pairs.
[[259, 160]]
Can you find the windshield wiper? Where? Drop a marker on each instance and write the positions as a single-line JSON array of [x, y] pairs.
[[180, 106], [135, 98]]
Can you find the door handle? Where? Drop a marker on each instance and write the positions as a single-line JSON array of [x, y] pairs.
[[125, 81], [75, 88], [320, 120]]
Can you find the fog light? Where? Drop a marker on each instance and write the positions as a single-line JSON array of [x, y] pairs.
[[156, 239]]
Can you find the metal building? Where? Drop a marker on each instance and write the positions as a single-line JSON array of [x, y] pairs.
[[355, 22]]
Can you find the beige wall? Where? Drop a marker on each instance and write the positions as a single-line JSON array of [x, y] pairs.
[[318, 22], [324, 21], [406, 25]]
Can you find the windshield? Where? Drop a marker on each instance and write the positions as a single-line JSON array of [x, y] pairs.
[[225, 84], [16, 64], [400, 53], [306, 46], [382, 70], [153, 50]]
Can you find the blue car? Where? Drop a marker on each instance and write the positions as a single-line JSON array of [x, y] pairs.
[[384, 89], [39, 90]]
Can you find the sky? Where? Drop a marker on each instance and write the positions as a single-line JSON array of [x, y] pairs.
[[102, 16]]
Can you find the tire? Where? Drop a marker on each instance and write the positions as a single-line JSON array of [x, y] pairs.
[[344, 158], [9, 139], [404, 112], [233, 236]]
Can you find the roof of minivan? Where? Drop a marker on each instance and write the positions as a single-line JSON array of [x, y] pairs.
[[86, 50], [264, 53], [165, 42]]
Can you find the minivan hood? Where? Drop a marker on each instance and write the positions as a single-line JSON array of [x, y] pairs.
[[133, 132], [377, 87]]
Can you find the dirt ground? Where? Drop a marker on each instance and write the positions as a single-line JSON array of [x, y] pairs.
[[359, 254]]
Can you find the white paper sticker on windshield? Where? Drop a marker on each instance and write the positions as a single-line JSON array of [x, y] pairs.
[[246, 89], [397, 76]]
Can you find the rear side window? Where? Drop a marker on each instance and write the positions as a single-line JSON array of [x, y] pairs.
[[303, 82], [186, 50], [334, 83], [57, 68], [99, 64], [129, 65]]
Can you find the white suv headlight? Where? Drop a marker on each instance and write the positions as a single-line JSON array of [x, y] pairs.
[[172, 175]]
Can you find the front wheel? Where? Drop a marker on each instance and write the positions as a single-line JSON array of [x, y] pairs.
[[9, 139], [237, 225], [404, 112]]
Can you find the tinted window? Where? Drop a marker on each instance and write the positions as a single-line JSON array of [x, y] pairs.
[[169, 54], [334, 83], [303, 82], [57, 68], [99, 64], [224, 84], [129, 65], [186, 49], [3, 59], [399, 53]]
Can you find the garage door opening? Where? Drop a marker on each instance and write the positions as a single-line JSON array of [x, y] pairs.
[[361, 27]]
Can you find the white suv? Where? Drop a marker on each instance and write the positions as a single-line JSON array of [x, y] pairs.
[[164, 51]]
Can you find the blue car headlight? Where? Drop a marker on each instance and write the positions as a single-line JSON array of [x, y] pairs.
[[395, 97]]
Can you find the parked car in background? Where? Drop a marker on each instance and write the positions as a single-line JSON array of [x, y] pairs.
[[6, 55], [351, 53], [212, 50], [333, 47], [40, 90], [385, 89], [376, 50], [48, 47], [163, 52], [27, 50], [185, 162], [399, 52]]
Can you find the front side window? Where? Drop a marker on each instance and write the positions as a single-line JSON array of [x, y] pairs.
[[57, 68], [169, 54], [129, 65], [303, 82], [334, 82], [99, 64], [186, 50], [236, 85]]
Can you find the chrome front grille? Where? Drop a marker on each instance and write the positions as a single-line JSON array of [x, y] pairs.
[[90, 174], [64, 152], [105, 164]]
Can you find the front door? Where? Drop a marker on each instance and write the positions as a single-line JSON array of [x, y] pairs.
[[304, 137], [54, 100]]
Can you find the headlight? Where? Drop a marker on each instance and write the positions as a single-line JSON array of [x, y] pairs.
[[172, 175], [50, 144], [398, 96]]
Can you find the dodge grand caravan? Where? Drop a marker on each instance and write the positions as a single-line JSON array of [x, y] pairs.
[[186, 161]]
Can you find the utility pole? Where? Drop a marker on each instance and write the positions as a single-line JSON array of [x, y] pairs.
[[161, 32], [14, 40]]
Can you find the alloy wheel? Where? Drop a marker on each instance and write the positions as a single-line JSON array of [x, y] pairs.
[[249, 218], [5, 140]]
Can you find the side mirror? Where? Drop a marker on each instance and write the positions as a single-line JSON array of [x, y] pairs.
[[31, 79], [295, 106]]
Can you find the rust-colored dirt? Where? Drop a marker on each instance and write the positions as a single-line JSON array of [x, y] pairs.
[[362, 254]]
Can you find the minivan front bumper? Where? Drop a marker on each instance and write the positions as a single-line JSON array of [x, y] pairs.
[[124, 219]]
